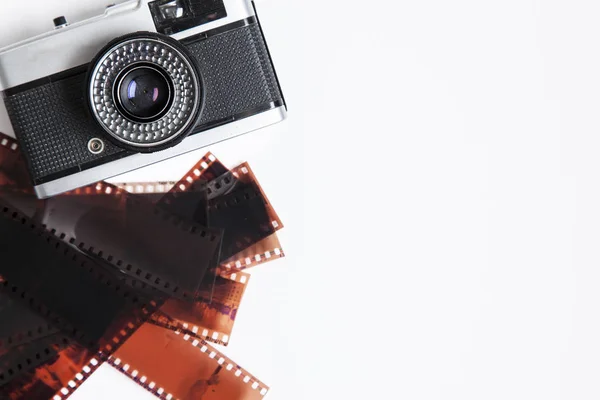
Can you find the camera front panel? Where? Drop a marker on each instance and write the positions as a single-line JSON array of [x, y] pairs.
[[55, 127]]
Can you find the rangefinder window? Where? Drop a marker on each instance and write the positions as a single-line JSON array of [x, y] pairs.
[[172, 16]]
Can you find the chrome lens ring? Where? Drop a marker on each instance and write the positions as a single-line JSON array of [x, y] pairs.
[[144, 50]]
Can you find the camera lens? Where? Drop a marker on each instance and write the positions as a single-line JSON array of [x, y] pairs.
[[144, 93]]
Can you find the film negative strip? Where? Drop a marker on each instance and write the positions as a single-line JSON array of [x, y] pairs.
[[124, 230], [19, 324], [205, 170], [244, 174], [211, 194], [66, 288], [213, 319], [92, 222], [145, 188], [243, 213], [151, 191], [188, 369], [59, 283], [63, 371], [187, 196], [46, 366], [211, 316], [237, 205], [267, 249], [15, 364], [13, 169]]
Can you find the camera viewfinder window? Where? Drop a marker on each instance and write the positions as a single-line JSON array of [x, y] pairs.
[[172, 16]]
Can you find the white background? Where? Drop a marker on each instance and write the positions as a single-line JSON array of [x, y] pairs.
[[438, 178]]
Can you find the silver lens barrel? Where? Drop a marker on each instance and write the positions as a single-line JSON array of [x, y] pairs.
[[150, 52]]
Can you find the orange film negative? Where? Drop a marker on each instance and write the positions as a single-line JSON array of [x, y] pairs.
[[244, 174], [264, 250], [210, 169], [62, 285], [233, 194], [188, 198], [177, 366], [212, 319], [243, 213], [206, 169], [55, 364], [211, 316], [135, 236], [267, 249], [19, 324], [67, 366], [20, 356], [123, 230], [151, 191], [25, 357], [13, 169], [145, 188], [106, 258], [67, 289]]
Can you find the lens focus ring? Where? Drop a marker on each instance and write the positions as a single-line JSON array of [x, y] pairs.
[[185, 99]]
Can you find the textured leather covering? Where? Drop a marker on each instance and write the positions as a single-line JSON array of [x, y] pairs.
[[237, 71], [54, 127]]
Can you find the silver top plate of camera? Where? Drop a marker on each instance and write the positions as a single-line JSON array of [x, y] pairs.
[[79, 42]]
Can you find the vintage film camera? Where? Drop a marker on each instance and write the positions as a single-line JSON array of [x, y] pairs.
[[145, 81]]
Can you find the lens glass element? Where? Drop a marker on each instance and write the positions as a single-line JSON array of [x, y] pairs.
[[144, 93]]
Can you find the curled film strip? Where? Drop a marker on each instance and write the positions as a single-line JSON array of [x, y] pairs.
[[211, 316], [243, 213], [209, 320], [66, 367], [51, 261], [20, 324], [13, 169], [266, 249], [189, 368], [37, 345], [200, 171], [15, 364], [65, 389], [64, 300], [158, 188], [8, 142], [193, 331], [245, 174], [122, 230], [210, 169], [146, 187], [188, 197]]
